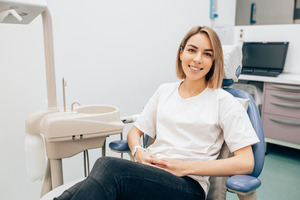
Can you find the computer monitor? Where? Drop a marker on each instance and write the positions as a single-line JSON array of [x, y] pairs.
[[264, 58]]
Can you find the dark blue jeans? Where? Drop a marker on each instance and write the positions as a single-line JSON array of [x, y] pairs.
[[114, 178]]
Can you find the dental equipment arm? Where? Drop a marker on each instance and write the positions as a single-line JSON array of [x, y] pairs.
[[6, 13], [129, 119]]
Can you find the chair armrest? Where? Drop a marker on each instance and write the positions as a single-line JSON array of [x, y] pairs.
[[119, 145], [242, 183]]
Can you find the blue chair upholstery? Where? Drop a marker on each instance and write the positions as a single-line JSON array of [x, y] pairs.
[[119, 146], [247, 184], [228, 82]]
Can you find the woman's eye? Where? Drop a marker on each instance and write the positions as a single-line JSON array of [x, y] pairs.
[[191, 50], [208, 54]]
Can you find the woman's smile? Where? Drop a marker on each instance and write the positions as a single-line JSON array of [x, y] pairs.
[[195, 68]]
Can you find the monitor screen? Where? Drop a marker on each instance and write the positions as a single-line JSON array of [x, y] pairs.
[[264, 55]]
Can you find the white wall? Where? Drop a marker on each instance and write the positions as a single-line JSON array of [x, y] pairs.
[[22, 87], [110, 52]]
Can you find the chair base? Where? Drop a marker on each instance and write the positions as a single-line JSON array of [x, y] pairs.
[[245, 196]]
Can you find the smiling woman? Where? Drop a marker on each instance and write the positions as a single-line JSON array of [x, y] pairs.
[[196, 58], [204, 47], [190, 121]]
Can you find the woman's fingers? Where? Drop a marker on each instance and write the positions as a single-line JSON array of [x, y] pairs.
[[156, 161]]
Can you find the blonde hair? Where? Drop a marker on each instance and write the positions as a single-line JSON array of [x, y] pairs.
[[214, 77]]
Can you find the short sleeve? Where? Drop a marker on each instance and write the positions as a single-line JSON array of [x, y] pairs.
[[236, 125], [146, 122]]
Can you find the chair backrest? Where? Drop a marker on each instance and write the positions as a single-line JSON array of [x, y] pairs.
[[259, 148]]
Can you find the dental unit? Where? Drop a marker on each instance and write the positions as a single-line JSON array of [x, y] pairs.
[[66, 131]]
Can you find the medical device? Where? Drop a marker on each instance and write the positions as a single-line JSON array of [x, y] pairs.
[[66, 131], [264, 58]]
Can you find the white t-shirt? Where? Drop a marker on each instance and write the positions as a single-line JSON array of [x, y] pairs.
[[195, 128]]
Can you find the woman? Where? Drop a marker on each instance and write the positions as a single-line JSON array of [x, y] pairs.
[[190, 120]]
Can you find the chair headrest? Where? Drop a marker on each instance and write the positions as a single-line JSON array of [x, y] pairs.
[[232, 63]]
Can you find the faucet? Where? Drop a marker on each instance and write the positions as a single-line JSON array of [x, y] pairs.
[[64, 84], [72, 106]]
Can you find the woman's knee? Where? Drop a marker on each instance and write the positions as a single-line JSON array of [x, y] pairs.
[[105, 161], [106, 167]]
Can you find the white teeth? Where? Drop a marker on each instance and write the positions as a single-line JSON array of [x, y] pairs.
[[197, 69]]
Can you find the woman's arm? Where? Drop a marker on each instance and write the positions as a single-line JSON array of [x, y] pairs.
[[241, 163], [134, 139]]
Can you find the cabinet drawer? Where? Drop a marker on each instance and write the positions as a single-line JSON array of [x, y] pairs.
[[282, 128], [282, 103], [283, 87]]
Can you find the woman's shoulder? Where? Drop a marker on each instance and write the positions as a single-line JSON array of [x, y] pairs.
[[227, 101], [222, 97], [220, 94], [168, 86]]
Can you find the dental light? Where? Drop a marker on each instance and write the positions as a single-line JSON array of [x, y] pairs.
[[66, 131]]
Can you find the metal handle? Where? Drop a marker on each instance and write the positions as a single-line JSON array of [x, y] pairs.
[[72, 105], [285, 121], [288, 87], [285, 104], [253, 14], [285, 96]]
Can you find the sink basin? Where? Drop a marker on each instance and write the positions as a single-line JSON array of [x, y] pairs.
[[104, 113], [90, 121], [96, 109]]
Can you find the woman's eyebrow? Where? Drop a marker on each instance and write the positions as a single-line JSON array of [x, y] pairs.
[[197, 47], [192, 46]]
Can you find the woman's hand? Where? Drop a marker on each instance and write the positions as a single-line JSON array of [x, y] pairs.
[[147, 158], [143, 157], [174, 166]]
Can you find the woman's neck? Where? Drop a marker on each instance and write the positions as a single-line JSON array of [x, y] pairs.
[[189, 89]]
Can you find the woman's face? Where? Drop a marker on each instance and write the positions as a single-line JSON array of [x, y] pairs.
[[197, 57]]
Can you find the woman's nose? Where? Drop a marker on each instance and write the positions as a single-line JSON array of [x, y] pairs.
[[198, 58]]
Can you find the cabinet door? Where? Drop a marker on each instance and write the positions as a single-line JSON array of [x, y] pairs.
[[267, 12]]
